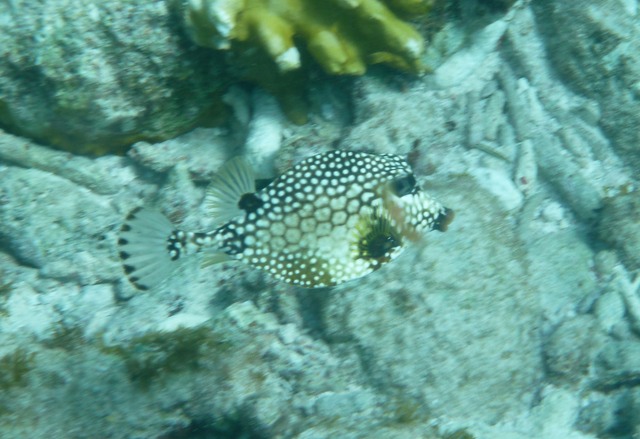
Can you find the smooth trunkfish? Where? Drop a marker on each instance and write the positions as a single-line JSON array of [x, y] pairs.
[[333, 217]]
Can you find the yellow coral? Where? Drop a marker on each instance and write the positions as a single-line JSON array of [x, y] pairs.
[[343, 36]]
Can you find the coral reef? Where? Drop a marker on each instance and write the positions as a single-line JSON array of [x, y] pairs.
[[596, 50], [94, 78], [342, 36], [618, 226], [268, 39], [522, 322]]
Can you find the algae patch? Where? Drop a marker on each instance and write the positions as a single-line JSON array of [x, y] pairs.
[[152, 356], [6, 287], [14, 368]]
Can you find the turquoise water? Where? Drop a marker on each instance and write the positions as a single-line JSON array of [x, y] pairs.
[[520, 321]]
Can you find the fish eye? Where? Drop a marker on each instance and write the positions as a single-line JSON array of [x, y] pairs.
[[404, 185]]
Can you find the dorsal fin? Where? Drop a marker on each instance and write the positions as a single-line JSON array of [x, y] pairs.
[[235, 179]]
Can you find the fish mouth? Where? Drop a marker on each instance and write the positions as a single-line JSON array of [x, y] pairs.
[[395, 209], [443, 220]]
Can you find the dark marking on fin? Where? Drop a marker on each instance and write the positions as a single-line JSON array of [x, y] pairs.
[[133, 213], [124, 255], [128, 269], [123, 241], [134, 280], [250, 203], [125, 228]]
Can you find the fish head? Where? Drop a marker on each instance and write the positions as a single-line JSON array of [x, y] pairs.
[[410, 209]]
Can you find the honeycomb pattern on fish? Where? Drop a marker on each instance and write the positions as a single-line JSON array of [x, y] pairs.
[[334, 217]]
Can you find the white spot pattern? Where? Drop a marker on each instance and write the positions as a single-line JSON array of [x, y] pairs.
[[306, 231]]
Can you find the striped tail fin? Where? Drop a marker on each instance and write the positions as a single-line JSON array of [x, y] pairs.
[[145, 250]]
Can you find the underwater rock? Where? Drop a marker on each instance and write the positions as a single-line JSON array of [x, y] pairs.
[[619, 227], [572, 347], [605, 414], [595, 47], [94, 77], [208, 149], [49, 223], [105, 175], [616, 401]]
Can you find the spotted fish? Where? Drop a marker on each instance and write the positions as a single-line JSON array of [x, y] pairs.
[[333, 217]]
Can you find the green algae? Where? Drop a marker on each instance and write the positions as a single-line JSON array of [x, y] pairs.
[[155, 355], [14, 368], [459, 434], [66, 337], [6, 287]]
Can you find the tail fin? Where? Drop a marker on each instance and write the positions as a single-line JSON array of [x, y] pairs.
[[143, 243]]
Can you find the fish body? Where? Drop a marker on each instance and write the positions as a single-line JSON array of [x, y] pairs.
[[333, 217]]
